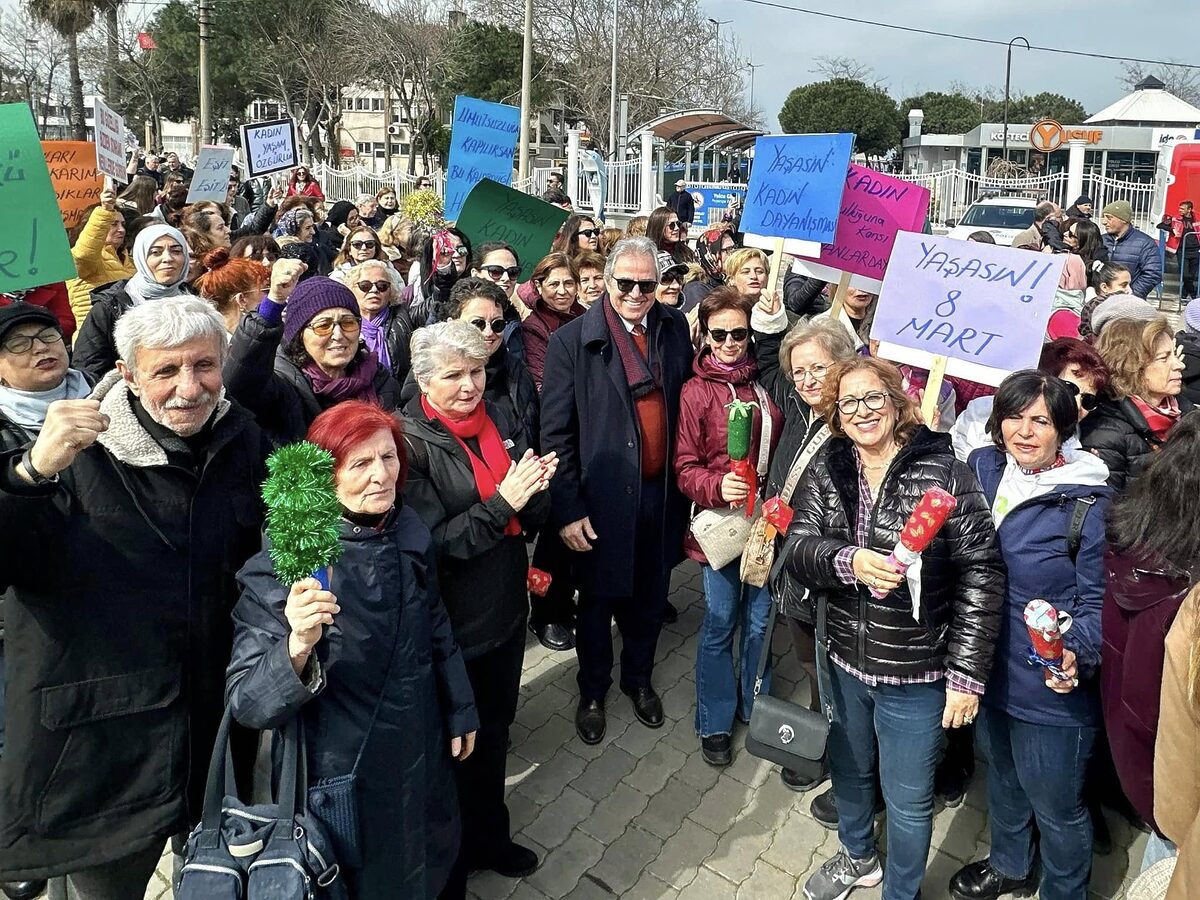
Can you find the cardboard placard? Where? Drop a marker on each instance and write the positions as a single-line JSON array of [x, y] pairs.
[[875, 207], [110, 143], [982, 306], [211, 181], [795, 191], [77, 182], [269, 147], [33, 244], [483, 139], [493, 212]]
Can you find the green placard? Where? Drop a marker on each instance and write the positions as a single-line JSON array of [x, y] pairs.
[[33, 245], [493, 212]]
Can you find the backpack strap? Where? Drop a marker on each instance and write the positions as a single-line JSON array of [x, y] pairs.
[[1075, 531]]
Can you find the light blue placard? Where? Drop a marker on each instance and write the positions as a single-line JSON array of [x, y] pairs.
[[483, 138], [796, 185], [982, 306]]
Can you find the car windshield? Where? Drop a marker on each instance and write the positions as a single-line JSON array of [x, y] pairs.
[[998, 216]]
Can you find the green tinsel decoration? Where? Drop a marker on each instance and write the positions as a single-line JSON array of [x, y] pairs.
[[303, 512]]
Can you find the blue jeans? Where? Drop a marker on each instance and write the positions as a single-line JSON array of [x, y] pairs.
[[720, 694], [902, 726], [1036, 774]]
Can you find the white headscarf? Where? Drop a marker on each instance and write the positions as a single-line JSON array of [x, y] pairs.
[[142, 286]]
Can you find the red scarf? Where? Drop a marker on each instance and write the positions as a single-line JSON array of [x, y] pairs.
[[490, 470], [1160, 419]]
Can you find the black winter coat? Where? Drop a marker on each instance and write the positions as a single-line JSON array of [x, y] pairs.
[[963, 577], [802, 294], [271, 386], [588, 419], [1191, 360], [481, 570], [119, 632], [1117, 432], [399, 339], [393, 638], [95, 351]]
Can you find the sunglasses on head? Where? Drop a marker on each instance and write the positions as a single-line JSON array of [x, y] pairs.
[[498, 272], [497, 325], [720, 334], [625, 285], [380, 286], [588, 232], [324, 327], [363, 245], [1087, 401]]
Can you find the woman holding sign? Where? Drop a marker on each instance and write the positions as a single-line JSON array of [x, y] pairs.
[[911, 651]]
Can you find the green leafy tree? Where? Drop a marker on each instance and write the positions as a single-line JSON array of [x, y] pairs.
[[1026, 109], [484, 61], [69, 18], [945, 113], [844, 104]]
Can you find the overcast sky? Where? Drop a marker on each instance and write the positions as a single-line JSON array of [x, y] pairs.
[[786, 42]]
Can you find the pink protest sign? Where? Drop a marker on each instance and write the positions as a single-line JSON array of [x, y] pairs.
[[874, 208]]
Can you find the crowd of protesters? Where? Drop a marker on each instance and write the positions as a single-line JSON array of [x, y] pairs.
[[494, 419]]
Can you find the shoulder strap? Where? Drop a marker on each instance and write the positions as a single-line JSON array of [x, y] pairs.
[[1075, 532], [765, 426], [803, 458], [822, 655]]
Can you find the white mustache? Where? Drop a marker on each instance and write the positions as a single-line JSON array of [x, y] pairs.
[[206, 399]]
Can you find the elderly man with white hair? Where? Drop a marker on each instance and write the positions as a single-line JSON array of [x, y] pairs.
[[124, 521]]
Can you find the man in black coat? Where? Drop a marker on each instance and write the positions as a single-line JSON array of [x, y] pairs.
[[610, 405], [124, 523], [682, 203]]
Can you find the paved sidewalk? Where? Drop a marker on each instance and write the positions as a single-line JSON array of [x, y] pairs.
[[641, 816]]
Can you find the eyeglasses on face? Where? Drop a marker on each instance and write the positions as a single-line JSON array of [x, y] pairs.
[[381, 287], [588, 232], [324, 327], [670, 278], [363, 245], [720, 335], [816, 373], [497, 272], [497, 325], [626, 285], [23, 343], [674, 226], [874, 401]]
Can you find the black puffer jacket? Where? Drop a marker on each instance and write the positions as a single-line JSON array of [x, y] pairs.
[[1191, 361], [481, 570], [1118, 433], [963, 577]]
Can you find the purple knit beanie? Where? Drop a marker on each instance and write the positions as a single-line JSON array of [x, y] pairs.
[[311, 296]]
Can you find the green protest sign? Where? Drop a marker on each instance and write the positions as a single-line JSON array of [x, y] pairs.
[[493, 212], [33, 244]]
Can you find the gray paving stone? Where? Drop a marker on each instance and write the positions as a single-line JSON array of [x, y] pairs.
[[603, 773], [696, 772], [655, 768], [547, 780], [738, 850], [555, 821], [707, 885], [682, 735], [683, 854], [957, 832], [721, 805], [748, 769], [490, 886], [772, 802], [675, 666], [650, 888], [562, 867], [638, 740], [614, 729], [679, 700], [797, 843], [521, 810], [546, 740], [538, 709], [589, 889], [625, 858], [766, 883], [612, 815], [669, 808]]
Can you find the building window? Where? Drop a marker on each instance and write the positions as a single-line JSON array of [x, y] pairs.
[[376, 104], [348, 103], [380, 152], [363, 149]]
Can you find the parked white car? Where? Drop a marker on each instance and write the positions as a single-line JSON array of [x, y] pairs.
[[1002, 217]]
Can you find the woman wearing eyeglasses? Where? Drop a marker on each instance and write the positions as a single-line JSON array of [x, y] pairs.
[[667, 232], [908, 664], [724, 370], [301, 184], [578, 234], [360, 245], [386, 326], [287, 372], [557, 283]]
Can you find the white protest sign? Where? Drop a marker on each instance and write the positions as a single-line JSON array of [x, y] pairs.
[[982, 306], [211, 181], [269, 147], [110, 143]]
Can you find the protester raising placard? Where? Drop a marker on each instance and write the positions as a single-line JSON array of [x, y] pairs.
[[494, 212], [483, 138], [211, 181], [110, 142], [269, 147], [77, 182]]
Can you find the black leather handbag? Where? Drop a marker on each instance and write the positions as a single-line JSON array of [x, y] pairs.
[[785, 733]]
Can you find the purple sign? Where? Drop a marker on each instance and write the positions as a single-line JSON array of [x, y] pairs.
[[982, 306], [874, 208]]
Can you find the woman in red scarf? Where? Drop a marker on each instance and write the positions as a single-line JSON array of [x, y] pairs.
[[1147, 377], [480, 489]]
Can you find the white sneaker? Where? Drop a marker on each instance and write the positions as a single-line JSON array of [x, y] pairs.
[[842, 874]]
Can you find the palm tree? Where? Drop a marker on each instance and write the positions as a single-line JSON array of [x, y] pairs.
[[70, 18]]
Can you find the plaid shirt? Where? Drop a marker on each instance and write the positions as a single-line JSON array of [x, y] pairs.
[[843, 565]]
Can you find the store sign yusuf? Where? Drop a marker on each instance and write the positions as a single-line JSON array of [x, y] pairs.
[[1048, 135]]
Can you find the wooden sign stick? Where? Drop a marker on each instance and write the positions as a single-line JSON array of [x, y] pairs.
[[839, 296], [774, 276], [933, 389]]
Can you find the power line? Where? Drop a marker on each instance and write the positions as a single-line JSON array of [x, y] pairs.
[[967, 37]]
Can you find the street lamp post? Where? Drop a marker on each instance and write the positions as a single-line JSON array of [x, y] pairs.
[[526, 93], [752, 66], [1007, 86], [716, 24], [612, 87]]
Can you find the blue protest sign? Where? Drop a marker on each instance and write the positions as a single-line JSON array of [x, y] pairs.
[[982, 306], [796, 185], [483, 138], [712, 203]]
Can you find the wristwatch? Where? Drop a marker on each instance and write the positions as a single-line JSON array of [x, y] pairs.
[[38, 477]]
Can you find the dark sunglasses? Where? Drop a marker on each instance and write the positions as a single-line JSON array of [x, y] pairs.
[[1087, 401], [625, 285], [497, 325], [675, 226], [670, 278], [324, 327], [363, 245], [498, 272], [588, 232], [720, 334], [381, 286]]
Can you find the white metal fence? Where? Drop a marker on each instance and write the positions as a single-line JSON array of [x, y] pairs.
[[953, 190]]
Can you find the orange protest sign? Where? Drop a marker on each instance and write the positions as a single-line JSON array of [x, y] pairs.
[[77, 182]]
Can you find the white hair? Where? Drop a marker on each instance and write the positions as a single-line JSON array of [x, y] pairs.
[[169, 322], [356, 272], [631, 246], [434, 344]]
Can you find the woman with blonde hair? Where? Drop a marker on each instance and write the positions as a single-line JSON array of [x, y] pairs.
[[360, 245], [637, 226]]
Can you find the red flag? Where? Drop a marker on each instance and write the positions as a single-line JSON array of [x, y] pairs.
[[145, 41]]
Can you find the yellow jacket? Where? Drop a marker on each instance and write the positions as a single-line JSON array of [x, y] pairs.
[[96, 262]]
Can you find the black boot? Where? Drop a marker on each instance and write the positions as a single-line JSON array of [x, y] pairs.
[[22, 890], [979, 881]]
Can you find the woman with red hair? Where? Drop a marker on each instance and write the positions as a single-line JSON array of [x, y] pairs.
[[371, 666], [233, 284]]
